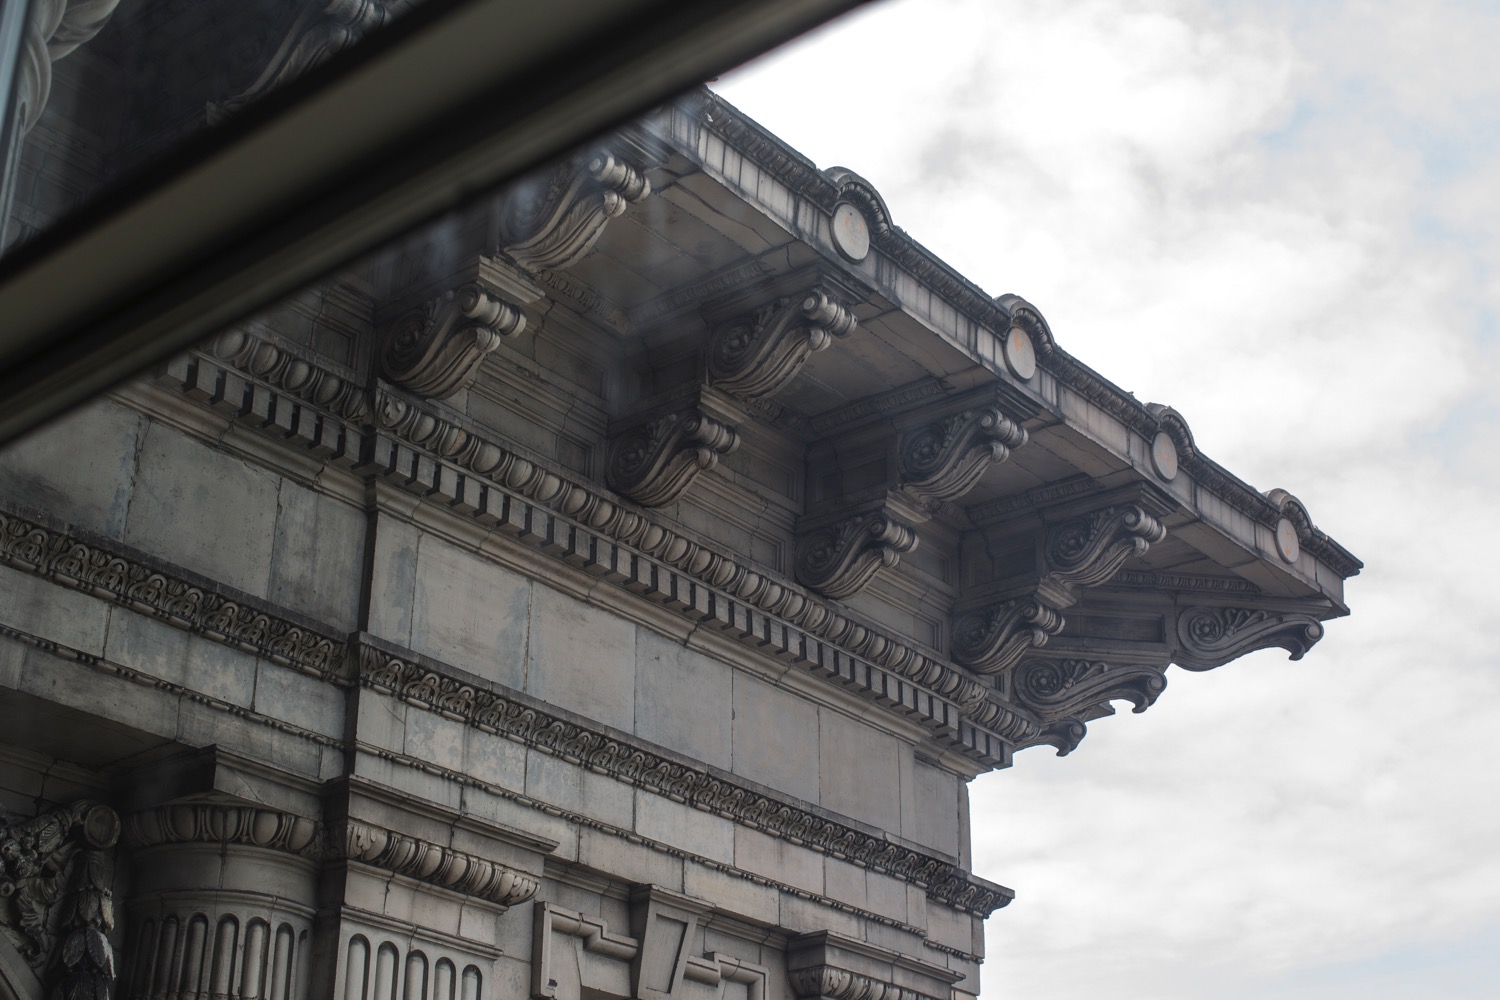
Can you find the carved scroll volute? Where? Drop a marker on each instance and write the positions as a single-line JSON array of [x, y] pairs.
[[553, 224], [1056, 689], [990, 639], [654, 462], [756, 355], [1211, 637], [1087, 551], [55, 883], [839, 559], [436, 348], [945, 459]]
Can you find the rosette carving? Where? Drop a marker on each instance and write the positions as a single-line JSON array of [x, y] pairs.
[[1088, 550], [436, 349], [1056, 689], [756, 355], [990, 639], [838, 560], [944, 460], [1211, 637], [654, 462], [55, 896], [552, 224]]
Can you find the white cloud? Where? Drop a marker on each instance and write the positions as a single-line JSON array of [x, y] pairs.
[[1282, 219]]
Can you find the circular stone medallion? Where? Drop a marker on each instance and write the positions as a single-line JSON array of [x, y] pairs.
[[1164, 455], [851, 233], [1020, 355], [1286, 540]]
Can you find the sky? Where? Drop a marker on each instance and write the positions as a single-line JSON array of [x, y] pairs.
[[1283, 219]]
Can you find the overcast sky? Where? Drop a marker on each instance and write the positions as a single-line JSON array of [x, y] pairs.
[[1284, 220]]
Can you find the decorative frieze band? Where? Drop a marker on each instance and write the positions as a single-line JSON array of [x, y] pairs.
[[405, 677]]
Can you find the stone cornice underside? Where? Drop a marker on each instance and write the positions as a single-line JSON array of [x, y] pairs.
[[825, 189], [113, 573], [419, 450]]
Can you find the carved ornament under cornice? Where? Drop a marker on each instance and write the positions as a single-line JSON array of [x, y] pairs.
[[838, 559], [825, 982], [552, 223], [1210, 637], [1083, 689], [291, 374], [946, 458], [653, 462], [990, 639], [435, 349], [432, 863], [317, 33], [1086, 551], [755, 355], [56, 879], [55, 29]]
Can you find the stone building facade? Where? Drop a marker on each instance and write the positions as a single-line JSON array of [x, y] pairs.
[[609, 593]]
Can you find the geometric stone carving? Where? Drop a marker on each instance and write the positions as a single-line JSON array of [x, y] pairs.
[[1210, 637], [552, 224], [655, 461], [990, 639], [289, 373], [945, 459], [839, 559], [55, 879], [1086, 551], [755, 355], [436, 348]]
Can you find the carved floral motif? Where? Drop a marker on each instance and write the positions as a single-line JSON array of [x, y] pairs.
[[838, 560], [654, 462], [990, 639], [945, 459], [756, 355], [436, 348], [55, 896], [1211, 637]]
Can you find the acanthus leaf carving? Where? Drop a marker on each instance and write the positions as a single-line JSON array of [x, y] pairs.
[[435, 349], [655, 461], [945, 459], [755, 355], [1086, 551], [552, 224], [56, 883], [1209, 637], [1057, 689], [990, 639], [837, 560]]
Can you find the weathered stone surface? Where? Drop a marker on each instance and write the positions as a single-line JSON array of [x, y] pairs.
[[775, 738]]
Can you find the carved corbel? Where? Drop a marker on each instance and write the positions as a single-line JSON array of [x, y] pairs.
[[653, 462], [435, 349], [553, 223], [755, 355], [316, 34], [1086, 551], [990, 639], [1209, 637], [55, 883], [1067, 693], [838, 559], [1063, 735], [946, 458]]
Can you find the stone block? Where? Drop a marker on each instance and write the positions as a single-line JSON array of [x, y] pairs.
[[804, 916], [412, 783], [684, 700], [200, 725], [581, 658], [380, 720], [775, 737], [684, 827], [204, 510], [886, 896], [318, 559], [494, 759], [470, 612], [51, 611], [732, 894], [846, 883], [568, 786], [79, 467], [285, 694], [490, 807], [858, 770], [626, 861], [435, 739], [393, 579], [73, 685], [777, 859], [947, 926], [938, 818]]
